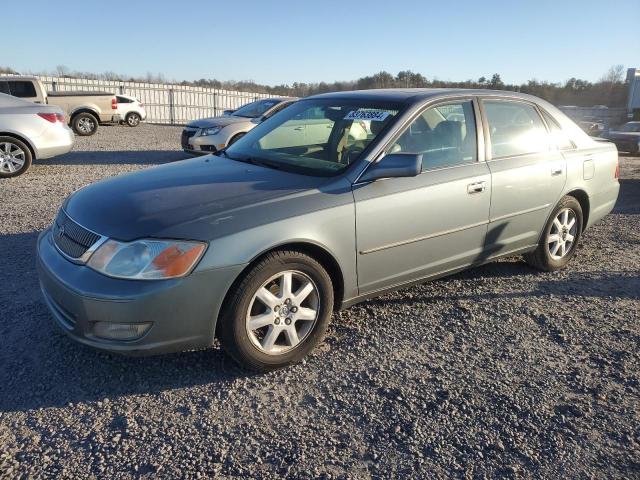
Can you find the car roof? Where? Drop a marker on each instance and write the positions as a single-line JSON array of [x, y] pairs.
[[417, 95]]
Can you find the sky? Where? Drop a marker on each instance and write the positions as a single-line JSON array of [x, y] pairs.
[[276, 42]]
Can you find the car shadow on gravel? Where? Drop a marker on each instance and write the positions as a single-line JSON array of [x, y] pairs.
[[42, 367], [141, 157], [605, 284], [629, 198]]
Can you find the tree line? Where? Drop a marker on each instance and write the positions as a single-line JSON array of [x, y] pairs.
[[610, 90]]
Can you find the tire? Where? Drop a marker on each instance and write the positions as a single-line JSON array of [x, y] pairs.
[[133, 119], [15, 157], [272, 344], [566, 229], [84, 124], [235, 138]]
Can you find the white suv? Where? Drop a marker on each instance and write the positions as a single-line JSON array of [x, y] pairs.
[[131, 110]]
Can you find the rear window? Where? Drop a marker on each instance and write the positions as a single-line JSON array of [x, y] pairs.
[[124, 100], [22, 89], [558, 136]]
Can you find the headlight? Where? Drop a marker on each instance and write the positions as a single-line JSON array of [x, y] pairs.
[[210, 131], [146, 259]]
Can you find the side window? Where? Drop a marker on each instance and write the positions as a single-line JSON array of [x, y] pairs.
[[558, 136], [444, 134], [4, 88], [123, 100], [22, 89], [515, 128]]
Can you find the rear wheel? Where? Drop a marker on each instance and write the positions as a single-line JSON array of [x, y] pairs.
[[15, 157], [278, 313], [133, 119], [84, 124], [560, 237]]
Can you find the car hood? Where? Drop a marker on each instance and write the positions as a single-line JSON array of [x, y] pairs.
[[196, 199], [218, 122]]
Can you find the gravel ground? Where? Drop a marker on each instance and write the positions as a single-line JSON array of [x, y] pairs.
[[500, 371]]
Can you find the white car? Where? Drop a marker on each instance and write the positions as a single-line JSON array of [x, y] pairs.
[[131, 110], [30, 131]]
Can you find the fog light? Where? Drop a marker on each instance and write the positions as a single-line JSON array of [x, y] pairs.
[[120, 331]]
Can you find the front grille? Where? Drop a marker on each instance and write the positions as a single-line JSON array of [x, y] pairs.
[[72, 239], [186, 135]]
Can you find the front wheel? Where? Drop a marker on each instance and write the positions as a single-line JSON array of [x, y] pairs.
[[235, 138], [278, 313], [133, 119], [560, 237], [84, 124]]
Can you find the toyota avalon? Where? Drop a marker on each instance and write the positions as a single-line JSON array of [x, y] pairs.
[[259, 244]]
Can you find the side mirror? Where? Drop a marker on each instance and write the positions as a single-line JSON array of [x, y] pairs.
[[394, 165]]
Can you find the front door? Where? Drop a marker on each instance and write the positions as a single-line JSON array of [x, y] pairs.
[[411, 228]]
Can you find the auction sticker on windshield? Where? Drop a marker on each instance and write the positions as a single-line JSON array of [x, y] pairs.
[[373, 115]]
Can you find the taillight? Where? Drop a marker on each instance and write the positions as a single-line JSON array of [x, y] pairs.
[[114, 103], [617, 173], [52, 117]]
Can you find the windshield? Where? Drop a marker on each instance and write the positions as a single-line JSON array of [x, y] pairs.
[[319, 137], [255, 109], [630, 127]]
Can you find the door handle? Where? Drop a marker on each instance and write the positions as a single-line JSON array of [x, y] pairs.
[[556, 171], [299, 128], [476, 187]]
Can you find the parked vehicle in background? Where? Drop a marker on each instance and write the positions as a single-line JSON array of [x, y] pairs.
[[592, 126], [626, 137], [259, 244], [209, 135], [84, 110], [131, 110], [29, 132]]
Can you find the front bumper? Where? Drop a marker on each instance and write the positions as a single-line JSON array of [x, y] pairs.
[[204, 145], [183, 312]]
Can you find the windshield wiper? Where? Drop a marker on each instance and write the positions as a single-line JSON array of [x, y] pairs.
[[255, 161]]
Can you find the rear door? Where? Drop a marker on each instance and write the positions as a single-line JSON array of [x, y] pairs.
[[411, 228], [528, 173]]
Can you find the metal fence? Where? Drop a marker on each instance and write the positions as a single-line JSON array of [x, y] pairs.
[[165, 103], [611, 117]]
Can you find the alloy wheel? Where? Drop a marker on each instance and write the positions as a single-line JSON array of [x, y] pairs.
[[282, 312], [562, 235], [133, 120], [86, 125], [12, 157]]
